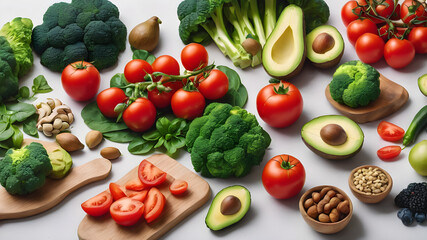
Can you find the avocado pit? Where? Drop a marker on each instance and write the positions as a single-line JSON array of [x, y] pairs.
[[333, 134], [323, 43], [230, 205]]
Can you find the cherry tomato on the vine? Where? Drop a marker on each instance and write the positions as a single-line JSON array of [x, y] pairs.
[[140, 115], [188, 104], [136, 69], [347, 14], [194, 56], [370, 48], [398, 53], [160, 99], [383, 9], [215, 86], [412, 11], [108, 99], [418, 37], [80, 80], [358, 27], [166, 64]]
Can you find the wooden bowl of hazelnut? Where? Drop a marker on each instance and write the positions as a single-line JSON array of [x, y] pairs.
[[370, 184], [327, 209]]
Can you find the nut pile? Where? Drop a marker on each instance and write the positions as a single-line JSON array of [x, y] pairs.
[[327, 206], [370, 180], [54, 117]]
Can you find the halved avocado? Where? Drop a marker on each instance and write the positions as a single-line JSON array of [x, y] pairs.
[[314, 137], [325, 46], [284, 52], [215, 219], [422, 84]]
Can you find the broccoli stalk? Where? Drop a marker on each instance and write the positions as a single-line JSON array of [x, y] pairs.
[[269, 16], [255, 17]]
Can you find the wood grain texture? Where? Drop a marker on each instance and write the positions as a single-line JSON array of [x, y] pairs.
[[392, 98], [54, 191], [176, 208]]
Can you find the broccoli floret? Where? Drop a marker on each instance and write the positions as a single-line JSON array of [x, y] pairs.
[[226, 141], [8, 80], [355, 84], [94, 23], [24, 170]]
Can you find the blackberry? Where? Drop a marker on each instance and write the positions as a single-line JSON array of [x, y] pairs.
[[415, 188], [418, 202], [402, 199], [413, 197]]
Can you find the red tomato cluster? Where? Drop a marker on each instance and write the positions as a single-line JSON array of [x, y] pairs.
[[187, 103], [140, 199], [392, 133], [372, 29]]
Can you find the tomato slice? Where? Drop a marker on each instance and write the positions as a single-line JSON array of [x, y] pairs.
[[98, 205], [390, 132], [154, 204], [140, 196], [150, 175], [116, 191], [135, 185], [127, 211], [178, 187], [389, 153]]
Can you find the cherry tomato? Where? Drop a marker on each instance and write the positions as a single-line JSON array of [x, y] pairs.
[[160, 99], [412, 10], [140, 115], [383, 9], [166, 64], [135, 185], [396, 14], [347, 14], [154, 203], [108, 99], [140, 196], [98, 205], [358, 27], [389, 153], [136, 69], [194, 56], [370, 48], [283, 176], [390, 132], [150, 175], [116, 191], [80, 80], [215, 86], [279, 104], [127, 211], [398, 53], [188, 104], [178, 187], [418, 37]]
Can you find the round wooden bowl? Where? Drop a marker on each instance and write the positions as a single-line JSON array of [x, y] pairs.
[[326, 228], [364, 197]]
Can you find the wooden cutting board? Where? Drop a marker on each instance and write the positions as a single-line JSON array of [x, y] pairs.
[[176, 208], [392, 97], [54, 191]]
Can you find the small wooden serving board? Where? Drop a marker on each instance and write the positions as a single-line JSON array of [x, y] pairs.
[[176, 209], [392, 97], [54, 191]]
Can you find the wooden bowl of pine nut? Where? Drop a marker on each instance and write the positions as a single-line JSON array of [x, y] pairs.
[[369, 183], [327, 209]]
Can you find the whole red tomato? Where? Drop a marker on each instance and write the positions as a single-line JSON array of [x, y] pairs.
[[160, 99], [347, 14], [214, 86], [411, 11], [108, 99], [136, 69], [370, 48], [140, 115], [398, 53], [187, 104], [283, 176], [194, 56], [80, 80], [418, 37], [168, 65], [358, 27], [279, 104]]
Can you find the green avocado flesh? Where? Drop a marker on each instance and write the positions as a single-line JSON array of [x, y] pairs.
[[330, 57], [215, 220], [422, 84], [284, 52], [310, 133]]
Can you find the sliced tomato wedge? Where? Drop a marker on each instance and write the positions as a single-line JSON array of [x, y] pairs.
[[390, 132], [150, 175], [154, 204], [98, 205], [140, 196], [135, 185], [127, 211], [389, 153], [178, 187], [116, 191]]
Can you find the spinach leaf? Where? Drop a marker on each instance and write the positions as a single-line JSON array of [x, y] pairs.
[[234, 81], [144, 55], [40, 85], [7, 132], [95, 120], [122, 136], [20, 111], [24, 93], [17, 137], [237, 94], [140, 146], [118, 80], [30, 126]]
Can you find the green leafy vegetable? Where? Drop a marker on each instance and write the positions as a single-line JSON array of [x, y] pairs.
[[40, 85], [95, 120], [316, 12], [29, 126], [237, 94], [143, 55]]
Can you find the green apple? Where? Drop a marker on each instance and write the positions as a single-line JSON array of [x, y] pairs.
[[418, 158]]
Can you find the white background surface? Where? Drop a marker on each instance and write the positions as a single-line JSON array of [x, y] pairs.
[[268, 217]]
